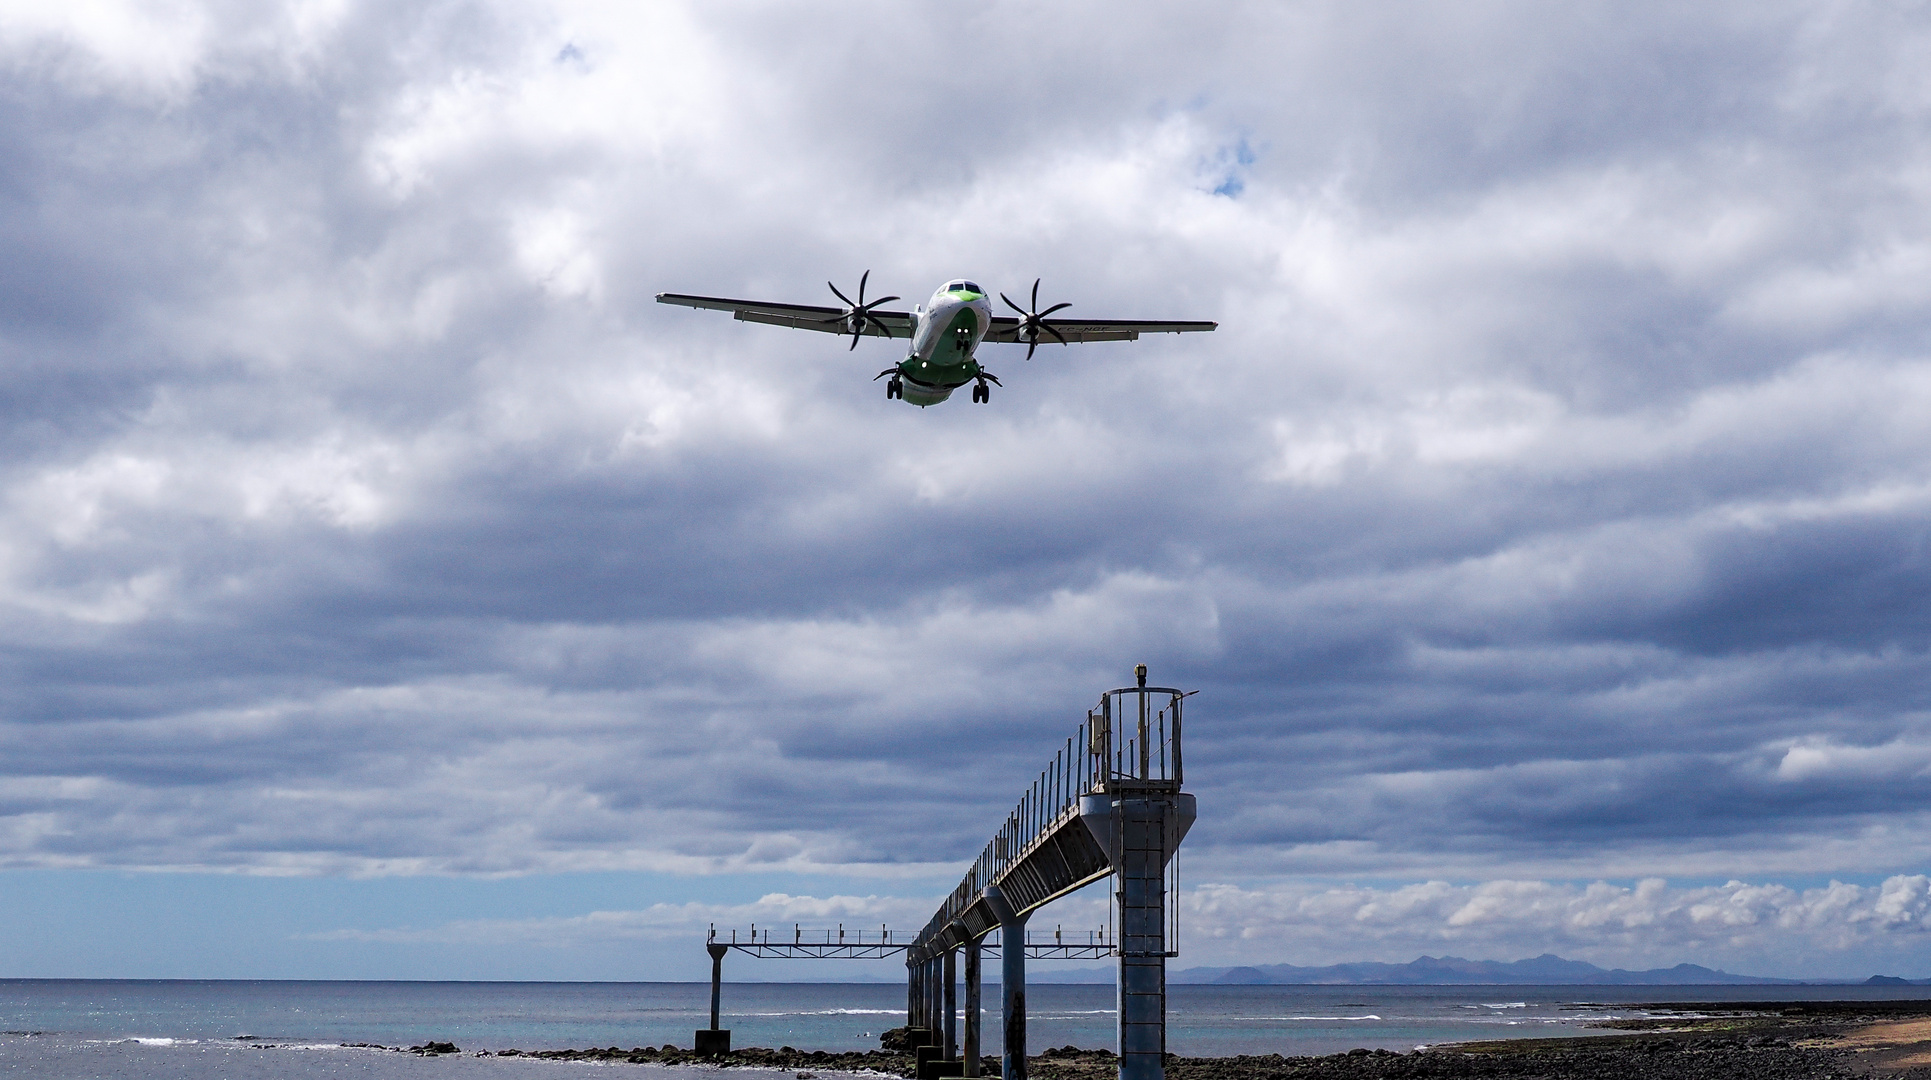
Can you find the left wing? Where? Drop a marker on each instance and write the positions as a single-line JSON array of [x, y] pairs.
[[1006, 328], [829, 320]]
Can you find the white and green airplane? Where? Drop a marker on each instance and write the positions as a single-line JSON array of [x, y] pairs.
[[945, 332]]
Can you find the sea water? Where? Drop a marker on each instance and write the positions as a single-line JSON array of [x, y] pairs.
[[244, 1030]]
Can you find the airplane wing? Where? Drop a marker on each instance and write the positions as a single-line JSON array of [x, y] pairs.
[[827, 320], [1006, 328]]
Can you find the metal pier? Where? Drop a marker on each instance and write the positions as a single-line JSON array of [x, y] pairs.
[[1097, 944], [1109, 805]]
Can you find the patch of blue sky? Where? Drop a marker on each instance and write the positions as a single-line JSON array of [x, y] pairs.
[[1229, 166], [118, 924]]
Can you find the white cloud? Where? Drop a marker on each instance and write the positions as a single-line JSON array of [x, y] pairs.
[[1822, 758], [1636, 925], [147, 44], [1648, 922], [778, 915]]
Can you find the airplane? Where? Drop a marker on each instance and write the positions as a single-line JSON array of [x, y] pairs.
[[945, 332]]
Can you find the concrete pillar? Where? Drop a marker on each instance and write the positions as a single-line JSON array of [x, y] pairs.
[[972, 1007], [912, 998], [717, 978], [1142, 936], [933, 996], [712, 1041], [1012, 984], [923, 1023], [950, 1004]]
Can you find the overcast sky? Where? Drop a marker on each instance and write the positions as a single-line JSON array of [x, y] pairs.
[[390, 588]]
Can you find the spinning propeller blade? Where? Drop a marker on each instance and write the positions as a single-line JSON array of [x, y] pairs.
[[858, 314], [1032, 322]]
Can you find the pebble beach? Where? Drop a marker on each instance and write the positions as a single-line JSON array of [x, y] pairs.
[[1741, 1041]]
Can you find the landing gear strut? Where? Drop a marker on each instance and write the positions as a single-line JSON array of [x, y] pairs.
[[895, 388], [981, 393]]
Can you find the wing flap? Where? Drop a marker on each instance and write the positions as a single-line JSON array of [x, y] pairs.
[[817, 322], [825, 320]]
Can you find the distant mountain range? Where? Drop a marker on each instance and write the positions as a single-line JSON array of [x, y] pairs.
[[1545, 970]]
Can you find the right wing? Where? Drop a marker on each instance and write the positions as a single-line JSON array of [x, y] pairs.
[[828, 320], [1006, 328]]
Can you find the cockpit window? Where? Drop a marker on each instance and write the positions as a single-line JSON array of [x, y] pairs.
[[971, 287]]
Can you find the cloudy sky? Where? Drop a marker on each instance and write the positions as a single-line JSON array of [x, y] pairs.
[[390, 588]]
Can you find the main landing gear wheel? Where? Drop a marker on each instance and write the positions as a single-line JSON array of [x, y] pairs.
[[981, 393]]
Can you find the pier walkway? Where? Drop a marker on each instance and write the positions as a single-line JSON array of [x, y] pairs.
[[1109, 805]]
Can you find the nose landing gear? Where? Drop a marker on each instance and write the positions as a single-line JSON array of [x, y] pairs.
[[894, 389]]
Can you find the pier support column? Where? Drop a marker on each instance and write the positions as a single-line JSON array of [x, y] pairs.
[[1012, 983], [972, 1007], [950, 1004], [1141, 827], [932, 1019], [717, 979], [1143, 938], [714, 1041], [912, 998]]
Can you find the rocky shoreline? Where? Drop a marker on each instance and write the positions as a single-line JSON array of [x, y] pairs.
[[1685, 1041]]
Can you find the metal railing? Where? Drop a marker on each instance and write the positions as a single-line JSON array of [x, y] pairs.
[[822, 936], [817, 936], [826, 944], [1145, 749], [1131, 741]]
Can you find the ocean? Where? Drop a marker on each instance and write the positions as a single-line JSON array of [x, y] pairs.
[[147, 1030]]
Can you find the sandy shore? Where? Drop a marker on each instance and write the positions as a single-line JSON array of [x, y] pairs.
[[1733, 1041]]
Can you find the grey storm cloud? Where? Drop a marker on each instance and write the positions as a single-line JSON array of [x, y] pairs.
[[1551, 503]]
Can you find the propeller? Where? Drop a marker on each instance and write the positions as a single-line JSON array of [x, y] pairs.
[[1032, 322], [858, 314]]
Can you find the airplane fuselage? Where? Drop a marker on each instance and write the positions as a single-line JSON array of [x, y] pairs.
[[948, 329]]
